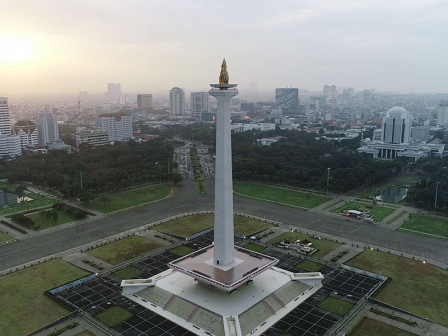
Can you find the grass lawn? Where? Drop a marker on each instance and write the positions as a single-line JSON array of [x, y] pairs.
[[370, 327], [126, 199], [376, 211], [190, 225], [85, 333], [4, 236], [323, 246], [129, 272], [427, 224], [181, 250], [336, 306], [25, 308], [125, 249], [281, 195], [38, 201], [114, 316], [396, 217], [254, 247], [43, 222], [414, 286], [310, 266]]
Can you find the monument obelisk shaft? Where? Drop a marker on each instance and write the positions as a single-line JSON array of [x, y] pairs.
[[224, 250]]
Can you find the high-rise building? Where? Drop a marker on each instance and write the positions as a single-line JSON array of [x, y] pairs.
[[198, 103], [397, 126], [144, 100], [47, 127], [114, 89], [287, 99], [28, 133], [118, 126], [330, 91], [442, 115], [5, 121], [177, 101]]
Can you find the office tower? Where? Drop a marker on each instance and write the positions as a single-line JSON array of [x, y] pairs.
[[330, 91], [118, 126], [114, 89], [47, 126], [397, 126], [144, 100], [442, 113], [177, 101], [287, 99], [28, 133], [5, 121], [198, 103]]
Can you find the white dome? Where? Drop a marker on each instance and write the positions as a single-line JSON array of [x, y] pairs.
[[397, 112]]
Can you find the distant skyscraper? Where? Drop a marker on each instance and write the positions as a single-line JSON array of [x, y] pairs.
[[198, 103], [28, 133], [330, 91], [118, 126], [397, 126], [442, 115], [287, 99], [114, 89], [5, 121], [144, 100], [47, 127], [177, 101]]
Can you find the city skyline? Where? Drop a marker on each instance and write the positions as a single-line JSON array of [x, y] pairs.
[[152, 46]]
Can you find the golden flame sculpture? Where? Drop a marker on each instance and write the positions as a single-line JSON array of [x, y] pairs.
[[224, 76]]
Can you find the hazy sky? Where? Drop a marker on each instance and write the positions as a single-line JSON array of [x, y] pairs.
[[53, 46]]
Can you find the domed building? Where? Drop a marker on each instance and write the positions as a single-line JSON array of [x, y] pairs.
[[397, 126]]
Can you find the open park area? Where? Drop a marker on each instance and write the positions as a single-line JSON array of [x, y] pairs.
[[4, 236], [300, 199], [125, 249], [25, 308], [425, 224], [417, 287], [41, 221], [122, 200], [335, 305], [370, 327], [323, 246], [190, 225], [377, 212]]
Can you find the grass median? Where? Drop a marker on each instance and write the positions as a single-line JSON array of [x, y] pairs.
[[4, 236], [416, 287], [378, 213], [296, 198], [370, 327], [434, 225], [25, 308]]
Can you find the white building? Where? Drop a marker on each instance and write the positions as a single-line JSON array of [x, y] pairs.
[[28, 133], [397, 126], [237, 127], [198, 103], [420, 133], [177, 101], [9, 144], [93, 138], [47, 126], [5, 121], [118, 126], [442, 115]]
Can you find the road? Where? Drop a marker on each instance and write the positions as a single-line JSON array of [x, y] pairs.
[[187, 199]]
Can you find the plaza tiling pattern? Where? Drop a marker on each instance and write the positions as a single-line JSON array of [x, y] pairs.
[[102, 293]]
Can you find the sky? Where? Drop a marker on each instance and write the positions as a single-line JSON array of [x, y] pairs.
[[150, 46]]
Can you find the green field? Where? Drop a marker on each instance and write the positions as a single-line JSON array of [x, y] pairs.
[[396, 217], [181, 250], [416, 287], [38, 201], [125, 249], [310, 266], [336, 306], [254, 247], [190, 225], [280, 195], [114, 316], [126, 199], [370, 327], [44, 223], [378, 213], [25, 308], [4, 236], [323, 246], [129, 272], [427, 224]]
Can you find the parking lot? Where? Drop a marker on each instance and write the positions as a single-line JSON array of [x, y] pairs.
[[104, 292]]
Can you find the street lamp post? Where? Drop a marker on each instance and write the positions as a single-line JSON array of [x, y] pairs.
[[435, 200], [328, 178]]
